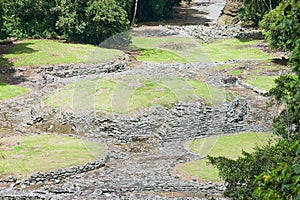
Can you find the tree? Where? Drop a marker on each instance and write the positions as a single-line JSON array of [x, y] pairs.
[[104, 19], [23, 18], [240, 174], [282, 29], [90, 21], [254, 10], [282, 182], [281, 26], [134, 12]]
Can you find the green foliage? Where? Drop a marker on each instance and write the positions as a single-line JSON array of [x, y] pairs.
[[254, 10], [240, 174], [295, 58], [21, 20], [92, 21], [106, 17], [89, 21], [282, 182], [287, 92], [263, 163], [282, 26]]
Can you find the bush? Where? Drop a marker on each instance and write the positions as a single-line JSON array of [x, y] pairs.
[[254, 10], [240, 174], [89, 21], [283, 182], [281, 26]]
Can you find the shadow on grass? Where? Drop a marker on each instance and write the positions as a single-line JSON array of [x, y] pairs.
[[280, 61], [21, 48], [246, 37], [5, 63], [7, 70]]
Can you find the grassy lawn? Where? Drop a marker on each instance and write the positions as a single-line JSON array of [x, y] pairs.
[[161, 56], [124, 94], [230, 146], [183, 50], [223, 50], [262, 82], [162, 49], [170, 50], [10, 91], [46, 52], [24, 155]]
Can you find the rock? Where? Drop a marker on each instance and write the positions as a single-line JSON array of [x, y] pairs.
[[231, 80], [57, 181]]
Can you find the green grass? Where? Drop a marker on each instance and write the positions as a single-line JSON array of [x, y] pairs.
[[212, 95], [162, 49], [24, 155], [125, 94], [183, 50], [269, 67], [262, 82], [46, 52], [152, 94], [169, 49], [236, 72], [10, 91], [160, 56], [230, 146], [223, 50]]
